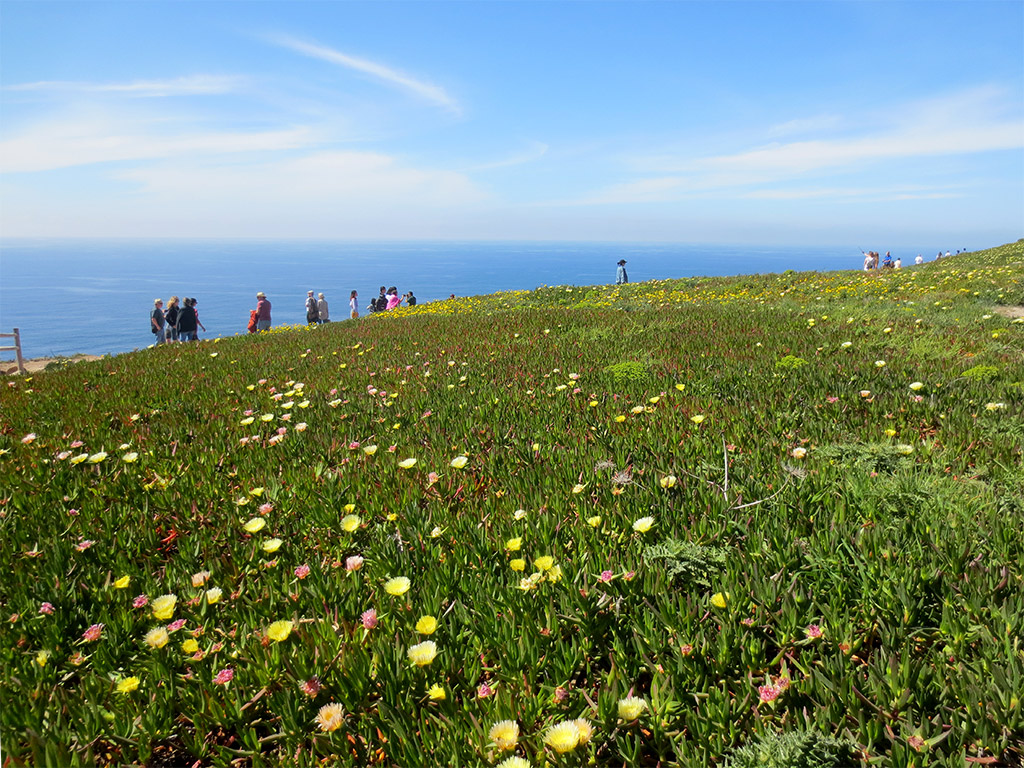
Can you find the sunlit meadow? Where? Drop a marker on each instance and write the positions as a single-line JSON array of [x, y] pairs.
[[674, 523]]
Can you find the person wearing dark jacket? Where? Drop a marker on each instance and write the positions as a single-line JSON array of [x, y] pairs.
[[172, 318], [187, 322]]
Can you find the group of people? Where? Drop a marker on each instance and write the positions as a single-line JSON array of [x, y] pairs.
[[888, 262], [318, 311], [178, 322], [388, 299]]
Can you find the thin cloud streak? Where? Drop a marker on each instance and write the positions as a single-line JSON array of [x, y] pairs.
[[535, 152], [420, 88], [196, 85]]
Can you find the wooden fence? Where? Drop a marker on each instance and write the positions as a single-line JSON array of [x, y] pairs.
[[16, 349]]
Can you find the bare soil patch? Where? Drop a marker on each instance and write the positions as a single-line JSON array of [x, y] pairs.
[[37, 364], [1010, 311]]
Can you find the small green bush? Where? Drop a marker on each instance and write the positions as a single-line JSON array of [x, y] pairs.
[[981, 373], [631, 371], [687, 563], [790, 362], [796, 749]]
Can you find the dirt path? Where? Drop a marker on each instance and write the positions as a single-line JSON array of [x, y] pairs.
[[37, 364]]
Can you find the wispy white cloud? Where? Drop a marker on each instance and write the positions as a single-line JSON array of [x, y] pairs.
[[970, 122], [852, 193], [194, 85], [532, 153], [69, 142], [420, 88]]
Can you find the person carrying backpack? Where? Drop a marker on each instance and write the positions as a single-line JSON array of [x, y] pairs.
[[312, 313]]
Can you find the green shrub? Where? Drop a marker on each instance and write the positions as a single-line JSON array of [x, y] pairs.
[[981, 373], [686, 563], [790, 362], [631, 371], [796, 749]]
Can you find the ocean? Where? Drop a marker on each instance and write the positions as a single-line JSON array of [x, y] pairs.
[[94, 296]]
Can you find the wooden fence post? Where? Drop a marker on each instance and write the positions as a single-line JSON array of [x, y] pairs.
[[17, 352]]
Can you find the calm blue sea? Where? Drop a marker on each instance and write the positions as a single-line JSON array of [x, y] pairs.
[[94, 296]]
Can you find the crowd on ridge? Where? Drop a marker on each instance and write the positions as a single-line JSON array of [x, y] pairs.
[[871, 260], [318, 310], [179, 322]]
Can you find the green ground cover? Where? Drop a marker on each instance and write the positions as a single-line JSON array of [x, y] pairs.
[[766, 520]]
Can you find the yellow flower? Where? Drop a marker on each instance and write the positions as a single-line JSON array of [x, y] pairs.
[[518, 564], [668, 481], [514, 545], [554, 574], [272, 545], [96, 458], [199, 578], [544, 563], [127, 684], [917, 385], [256, 492], [130, 458], [330, 717], [213, 595], [586, 730], [697, 419], [279, 630], [190, 645], [593, 403], [427, 625], [631, 707], [680, 387], [643, 525], [578, 488], [423, 653], [594, 521], [436, 693], [459, 462], [157, 637], [42, 657], [350, 523], [255, 525], [514, 762], [620, 418], [504, 734], [369, 450], [397, 586], [349, 508], [798, 453], [535, 447], [564, 737], [122, 582], [637, 409], [719, 600], [163, 607], [79, 458], [407, 463]]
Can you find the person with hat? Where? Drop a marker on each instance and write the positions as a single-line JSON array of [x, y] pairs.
[[322, 310], [262, 312], [621, 278], [157, 320]]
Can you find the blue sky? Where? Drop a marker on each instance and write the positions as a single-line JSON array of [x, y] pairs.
[[729, 122]]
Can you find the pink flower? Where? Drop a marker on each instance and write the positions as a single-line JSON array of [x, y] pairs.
[[561, 694], [311, 687], [141, 601], [249, 412], [484, 691], [46, 608], [686, 649], [832, 399], [747, 622], [73, 512], [174, 626], [369, 618], [92, 634], [77, 444], [432, 478], [392, 448], [353, 563], [768, 693], [814, 632], [266, 509], [84, 545], [629, 575], [225, 676], [282, 430], [917, 398], [607, 576], [302, 571]]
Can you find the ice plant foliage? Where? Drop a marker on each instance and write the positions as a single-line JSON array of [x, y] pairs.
[[676, 522]]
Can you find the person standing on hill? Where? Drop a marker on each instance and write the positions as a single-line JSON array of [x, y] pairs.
[[393, 300], [410, 299], [198, 321], [187, 322], [312, 314], [353, 305], [321, 309], [262, 312], [157, 320], [171, 315], [621, 278]]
